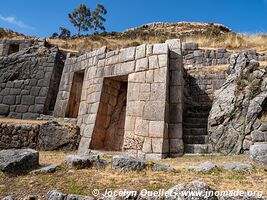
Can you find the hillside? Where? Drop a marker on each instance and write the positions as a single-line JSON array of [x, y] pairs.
[[208, 35]]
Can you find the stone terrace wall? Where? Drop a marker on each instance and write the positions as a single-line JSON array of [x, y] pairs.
[[29, 81], [23, 44], [18, 136], [193, 56]]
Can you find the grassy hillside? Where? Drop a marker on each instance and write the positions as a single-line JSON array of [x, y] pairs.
[[208, 35]]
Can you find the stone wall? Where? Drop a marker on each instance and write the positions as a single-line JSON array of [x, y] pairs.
[[42, 136], [193, 56], [147, 106], [18, 136], [5, 45], [29, 82]]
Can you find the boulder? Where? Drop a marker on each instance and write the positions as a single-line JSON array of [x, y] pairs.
[[15, 162], [8, 198], [54, 136], [258, 153], [181, 191], [79, 162], [203, 167], [236, 166], [47, 169], [55, 195], [128, 163], [162, 167], [237, 105]]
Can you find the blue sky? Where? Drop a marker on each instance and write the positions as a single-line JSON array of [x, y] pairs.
[[42, 18]]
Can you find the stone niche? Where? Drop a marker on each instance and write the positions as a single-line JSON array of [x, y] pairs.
[[124, 101]]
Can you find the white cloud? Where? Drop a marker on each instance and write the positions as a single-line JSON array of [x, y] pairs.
[[14, 21]]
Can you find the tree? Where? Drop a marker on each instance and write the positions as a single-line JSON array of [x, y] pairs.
[[98, 18], [54, 35], [64, 33], [81, 18]]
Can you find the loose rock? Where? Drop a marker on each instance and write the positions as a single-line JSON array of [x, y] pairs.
[[47, 169], [15, 162], [236, 166], [162, 167], [128, 163], [203, 167]]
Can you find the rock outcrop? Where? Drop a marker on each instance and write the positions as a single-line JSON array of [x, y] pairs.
[[238, 107], [15, 162]]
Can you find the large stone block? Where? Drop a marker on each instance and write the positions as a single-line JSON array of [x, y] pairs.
[[15, 162], [140, 51], [141, 64], [153, 62], [27, 100], [176, 146], [160, 49], [157, 129], [4, 109], [154, 111], [160, 75], [9, 100], [127, 54], [139, 77], [135, 108], [175, 131], [141, 127]]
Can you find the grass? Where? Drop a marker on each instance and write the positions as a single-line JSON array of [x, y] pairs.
[[233, 42], [21, 121], [84, 181]]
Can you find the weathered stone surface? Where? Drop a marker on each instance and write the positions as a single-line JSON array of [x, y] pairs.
[[128, 163], [8, 198], [178, 191], [236, 107], [47, 169], [258, 153], [55, 195], [54, 136], [15, 162], [236, 166], [79, 162], [203, 167], [162, 167]]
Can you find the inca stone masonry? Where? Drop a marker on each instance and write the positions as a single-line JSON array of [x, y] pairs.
[[147, 101]]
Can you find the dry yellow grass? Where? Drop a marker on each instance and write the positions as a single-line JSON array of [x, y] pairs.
[[233, 42], [84, 181], [21, 121]]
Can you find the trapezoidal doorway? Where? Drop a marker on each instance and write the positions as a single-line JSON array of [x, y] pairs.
[[75, 95], [109, 127]]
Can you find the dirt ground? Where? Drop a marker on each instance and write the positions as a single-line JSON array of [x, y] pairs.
[[84, 181]]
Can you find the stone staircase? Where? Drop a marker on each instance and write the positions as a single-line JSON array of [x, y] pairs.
[[195, 133]]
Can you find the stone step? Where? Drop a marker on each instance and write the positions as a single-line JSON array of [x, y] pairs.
[[195, 131], [196, 139], [198, 114], [195, 125], [202, 120], [197, 148], [197, 108]]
